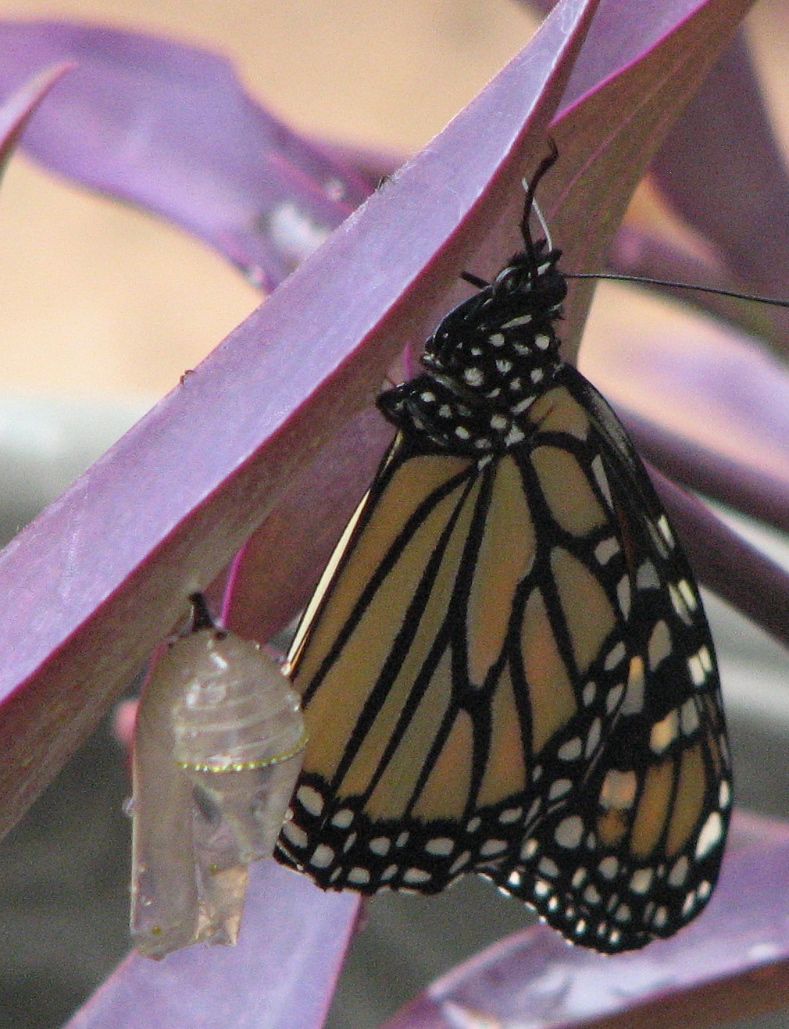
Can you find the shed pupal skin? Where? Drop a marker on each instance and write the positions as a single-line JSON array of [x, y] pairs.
[[218, 748]]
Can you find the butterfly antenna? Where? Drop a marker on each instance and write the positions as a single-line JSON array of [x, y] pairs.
[[529, 205], [645, 281]]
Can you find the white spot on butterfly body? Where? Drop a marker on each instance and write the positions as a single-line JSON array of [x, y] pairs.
[[473, 376], [496, 339], [529, 849], [688, 594], [322, 856], [659, 646], [460, 862], [602, 480], [359, 876], [647, 577], [593, 738], [623, 596], [559, 789], [441, 846], [570, 750], [608, 867], [696, 670], [416, 875], [605, 550], [295, 835], [343, 818], [592, 894], [710, 835], [310, 799], [579, 877], [569, 832], [514, 323], [641, 880], [615, 655], [492, 847], [462, 432], [664, 732], [689, 717], [665, 530], [548, 867], [679, 871]]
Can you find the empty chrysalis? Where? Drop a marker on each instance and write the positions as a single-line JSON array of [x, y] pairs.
[[218, 747]]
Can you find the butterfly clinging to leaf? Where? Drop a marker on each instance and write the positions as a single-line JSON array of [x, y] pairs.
[[506, 668]]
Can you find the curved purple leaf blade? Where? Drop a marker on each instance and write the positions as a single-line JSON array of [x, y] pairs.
[[736, 483], [639, 252], [101, 575], [278, 976], [169, 127], [722, 169], [17, 109], [592, 180], [734, 958], [717, 406], [732, 567]]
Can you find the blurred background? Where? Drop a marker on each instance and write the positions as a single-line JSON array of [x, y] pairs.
[[103, 308]]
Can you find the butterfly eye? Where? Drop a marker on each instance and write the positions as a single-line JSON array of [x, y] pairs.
[[218, 748]]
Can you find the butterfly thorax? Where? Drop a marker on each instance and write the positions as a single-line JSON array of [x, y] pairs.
[[487, 362]]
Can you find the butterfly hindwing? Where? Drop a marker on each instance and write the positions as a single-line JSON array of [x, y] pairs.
[[635, 852]]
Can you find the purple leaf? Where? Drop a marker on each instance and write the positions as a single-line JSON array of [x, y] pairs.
[[734, 958], [17, 109], [716, 404], [169, 127], [105, 571], [721, 168], [280, 974], [589, 187], [733, 569]]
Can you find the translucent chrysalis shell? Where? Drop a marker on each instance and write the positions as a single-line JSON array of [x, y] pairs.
[[218, 747]]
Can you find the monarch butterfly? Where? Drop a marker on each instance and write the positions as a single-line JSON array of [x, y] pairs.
[[217, 751], [506, 667]]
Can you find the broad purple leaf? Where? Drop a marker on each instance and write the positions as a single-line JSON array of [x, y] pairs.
[[104, 572], [279, 975], [639, 252], [604, 143], [733, 961], [17, 109], [733, 568], [170, 127], [722, 169], [719, 405]]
